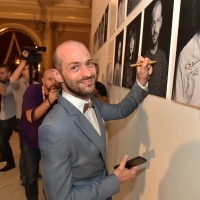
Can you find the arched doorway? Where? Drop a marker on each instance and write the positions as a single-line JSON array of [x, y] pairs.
[[13, 38]]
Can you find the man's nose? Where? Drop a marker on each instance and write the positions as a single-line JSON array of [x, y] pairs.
[[53, 82], [85, 71], [156, 27]]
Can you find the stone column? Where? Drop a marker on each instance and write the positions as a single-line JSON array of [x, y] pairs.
[[55, 34], [48, 43]]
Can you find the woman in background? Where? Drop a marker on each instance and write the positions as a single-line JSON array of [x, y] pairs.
[[118, 65]]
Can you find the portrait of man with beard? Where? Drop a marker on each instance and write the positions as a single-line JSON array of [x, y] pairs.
[[157, 24]]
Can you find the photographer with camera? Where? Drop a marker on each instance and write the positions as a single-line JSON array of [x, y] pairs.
[[19, 81], [38, 100]]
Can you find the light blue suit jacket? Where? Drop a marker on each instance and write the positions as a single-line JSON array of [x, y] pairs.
[[74, 155]]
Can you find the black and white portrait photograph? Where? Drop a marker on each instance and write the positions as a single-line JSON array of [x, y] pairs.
[[186, 85], [131, 52], [110, 66], [121, 12], [95, 42], [131, 4], [102, 30], [99, 37], [118, 59], [106, 24], [112, 17], [156, 43]]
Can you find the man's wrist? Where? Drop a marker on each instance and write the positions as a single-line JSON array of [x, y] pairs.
[[143, 87]]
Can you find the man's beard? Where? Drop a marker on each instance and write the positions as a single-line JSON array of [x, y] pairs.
[[80, 91], [155, 39]]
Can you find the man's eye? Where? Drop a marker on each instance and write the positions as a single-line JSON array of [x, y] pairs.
[[90, 64], [75, 67]]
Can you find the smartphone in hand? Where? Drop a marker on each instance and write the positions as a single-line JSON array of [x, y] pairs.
[[133, 162]]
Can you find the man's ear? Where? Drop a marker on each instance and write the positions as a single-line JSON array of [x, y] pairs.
[[43, 81], [57, 75]]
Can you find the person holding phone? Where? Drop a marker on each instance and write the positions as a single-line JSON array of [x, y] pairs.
[[72, 137]]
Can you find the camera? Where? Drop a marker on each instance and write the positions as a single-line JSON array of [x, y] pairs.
[[34, 56]]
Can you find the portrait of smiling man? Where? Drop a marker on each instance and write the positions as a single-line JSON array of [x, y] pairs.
[[72, 137], [157, 35]]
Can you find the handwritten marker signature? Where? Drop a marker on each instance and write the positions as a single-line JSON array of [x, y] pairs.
[[193, 69]]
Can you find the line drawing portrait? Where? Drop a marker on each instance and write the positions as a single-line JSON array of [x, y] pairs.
[[131, 52], [118, 59], [157, 25], [131, 5], [187, 69], [121, 12]]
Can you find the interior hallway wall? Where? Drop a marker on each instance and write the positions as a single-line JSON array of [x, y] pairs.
[[165, 132]]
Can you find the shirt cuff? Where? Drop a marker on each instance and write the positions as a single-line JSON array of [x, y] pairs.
[[143, 87]]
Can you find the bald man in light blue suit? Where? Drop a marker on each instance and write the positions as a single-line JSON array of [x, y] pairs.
[[72, 142]]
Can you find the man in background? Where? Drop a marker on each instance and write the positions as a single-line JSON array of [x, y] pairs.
[[8, 111], [19, 81], [100, 91], [38, 99], [158, 81]]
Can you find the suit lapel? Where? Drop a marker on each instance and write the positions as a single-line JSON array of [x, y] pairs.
[[88, 129], [85, 126]]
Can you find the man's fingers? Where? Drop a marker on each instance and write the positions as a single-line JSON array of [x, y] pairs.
[[53, 91], [123, 162], [140, 59]]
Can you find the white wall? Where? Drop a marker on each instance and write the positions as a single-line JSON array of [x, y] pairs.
[[163, 131]]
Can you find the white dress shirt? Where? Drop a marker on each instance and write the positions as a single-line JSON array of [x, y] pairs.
[[79, 104]]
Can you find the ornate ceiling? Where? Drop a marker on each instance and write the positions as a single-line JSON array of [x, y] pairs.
[[66, 11]]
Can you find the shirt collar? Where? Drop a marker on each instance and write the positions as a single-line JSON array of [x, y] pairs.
[[77, 102]]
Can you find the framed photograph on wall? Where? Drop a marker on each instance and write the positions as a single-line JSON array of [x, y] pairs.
[[110, 65], [95, 42], [186, 84], [131, 52], [102, 30], [106, 24], [156, 43], [118, 58], [99, 37], [131, 4], [113, 16], [121, 12]]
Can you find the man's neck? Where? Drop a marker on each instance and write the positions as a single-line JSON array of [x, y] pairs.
[[83, 97], [154, 48]]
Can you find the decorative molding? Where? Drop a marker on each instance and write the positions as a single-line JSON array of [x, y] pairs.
[[67, 11], [46, 2], [22, 28], [45, 14]]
